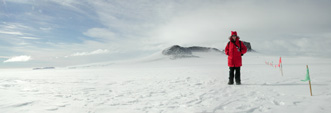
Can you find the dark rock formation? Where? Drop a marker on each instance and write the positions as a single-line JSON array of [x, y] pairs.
[[38, 68], [202, 49], [177, 51], [248, 45]]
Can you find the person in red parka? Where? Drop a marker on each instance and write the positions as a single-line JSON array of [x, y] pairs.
[[235, 49]]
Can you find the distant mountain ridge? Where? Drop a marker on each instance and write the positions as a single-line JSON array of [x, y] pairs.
[[177, 51]]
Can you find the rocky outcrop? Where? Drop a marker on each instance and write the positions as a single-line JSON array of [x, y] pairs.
[[177, 51], [41, 68], [248, 45], [203, 49]]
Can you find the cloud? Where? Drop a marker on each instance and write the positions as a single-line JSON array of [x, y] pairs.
[[22, 58], [11, 33], [30, 38], [96, 52], [101, 33], [291, 29], [4, 57], [45, 28]]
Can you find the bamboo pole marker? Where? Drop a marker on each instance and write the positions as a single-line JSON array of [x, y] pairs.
[[311, 92]]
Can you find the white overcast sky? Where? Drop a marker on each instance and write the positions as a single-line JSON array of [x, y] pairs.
[[70, 32]]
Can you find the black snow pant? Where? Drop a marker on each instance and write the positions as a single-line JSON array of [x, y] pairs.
[[236, 76]]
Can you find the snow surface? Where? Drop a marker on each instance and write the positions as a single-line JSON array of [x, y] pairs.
[[158, 84]]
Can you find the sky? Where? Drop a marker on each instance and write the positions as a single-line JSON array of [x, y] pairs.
[[40, 33]]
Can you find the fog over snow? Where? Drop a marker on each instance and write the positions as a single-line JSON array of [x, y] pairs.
[[72, 32]]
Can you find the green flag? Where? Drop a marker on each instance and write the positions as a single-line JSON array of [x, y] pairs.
[[307, 76]]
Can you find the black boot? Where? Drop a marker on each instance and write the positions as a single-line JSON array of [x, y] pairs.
[[230, 83], [237, 76], [231, 75], [238, 83]]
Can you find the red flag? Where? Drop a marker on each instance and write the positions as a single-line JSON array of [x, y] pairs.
[[280, 61]]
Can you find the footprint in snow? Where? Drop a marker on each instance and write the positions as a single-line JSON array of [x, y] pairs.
[[278, 103]]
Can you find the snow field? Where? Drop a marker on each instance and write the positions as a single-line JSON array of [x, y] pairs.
[[193, 85]]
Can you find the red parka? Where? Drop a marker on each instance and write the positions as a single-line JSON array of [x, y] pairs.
[[234, 56]]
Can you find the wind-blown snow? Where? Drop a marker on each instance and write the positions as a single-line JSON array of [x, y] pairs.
[[160, 85]]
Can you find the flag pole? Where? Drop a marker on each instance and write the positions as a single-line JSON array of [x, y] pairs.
[[281, 65], [281, 68], [311, 93]]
